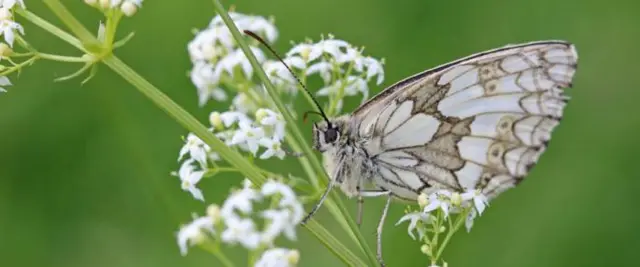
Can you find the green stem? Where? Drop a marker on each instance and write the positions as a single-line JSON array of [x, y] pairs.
[[223, 259], [33, 18], [184, 118], [63, 58], [85, 36], [19, 66], [215, 250], [459, 220]]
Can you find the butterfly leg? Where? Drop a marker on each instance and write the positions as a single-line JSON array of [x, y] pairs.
[[322, 198], [379, 230], [360, 203]]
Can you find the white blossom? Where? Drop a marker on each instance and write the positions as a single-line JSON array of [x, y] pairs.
[[195, 232], [274, 148], [231, 117], [439, 200], [207, 82], [243, 103], [249, 136], [286, 216], [4, 81], [278, 257], [414, 218], [8, 27], [257, 24], [11, 3], [189, 178], [323, 68], [240, 200], [242, 231], [196, 149], [268, 117], [480, 201]]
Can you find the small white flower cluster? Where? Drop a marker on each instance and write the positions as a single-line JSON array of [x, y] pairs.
[[342, 67], [233, 223], [8, 27], [435, 210], [128, 7], [278, 257], [266, 129], [217, 59], [472, 201]]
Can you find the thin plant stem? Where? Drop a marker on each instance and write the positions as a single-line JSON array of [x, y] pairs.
[[459, 220]]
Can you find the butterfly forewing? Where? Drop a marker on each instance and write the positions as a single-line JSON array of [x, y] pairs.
[[480, 122]]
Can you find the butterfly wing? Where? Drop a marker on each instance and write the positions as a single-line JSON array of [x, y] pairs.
[[480, 122]]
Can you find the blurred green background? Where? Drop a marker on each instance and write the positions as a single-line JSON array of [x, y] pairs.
[[85, 169]]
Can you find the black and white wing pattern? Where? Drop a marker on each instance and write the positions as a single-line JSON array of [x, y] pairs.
[[480, 122]]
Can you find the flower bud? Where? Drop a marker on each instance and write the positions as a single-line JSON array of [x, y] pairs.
[[456, 199], [104, 3], [5, 14], [426, 249], [423, 200], [216, 120], [5, 50], [92, 3], [213, 211], [293, 257], [261, 114], [128, 8]]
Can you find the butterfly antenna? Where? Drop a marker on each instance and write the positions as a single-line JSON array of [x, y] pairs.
[[255, 36]]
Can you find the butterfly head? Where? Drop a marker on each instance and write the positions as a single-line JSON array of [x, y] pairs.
[[328, 134]]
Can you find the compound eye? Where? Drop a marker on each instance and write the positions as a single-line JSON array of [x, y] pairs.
[[330, 135]]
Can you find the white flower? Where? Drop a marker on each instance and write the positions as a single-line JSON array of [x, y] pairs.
[[256, 24], [207, 82], [194, 233], [190, 178], [4, 81], [288, 198], [196, 149], [130, 7], [468, 223], [271, 118], [414, 218], [325, 69], [243, 103], [241, 231], [274, 148], [249, 136], [480, 201], [231, 117], [240, 200], [278, 257], [279, 221], [374, 68], [238, 58], [280, 75], [8, 26], [439, 200], [288, 214], [11, 3]]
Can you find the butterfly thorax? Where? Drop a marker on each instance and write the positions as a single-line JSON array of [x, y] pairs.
[[345, 157]]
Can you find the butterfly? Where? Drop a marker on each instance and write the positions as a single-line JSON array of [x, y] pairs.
[[477, 123]]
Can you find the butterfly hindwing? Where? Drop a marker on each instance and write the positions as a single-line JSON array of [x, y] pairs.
[[479, 122]]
